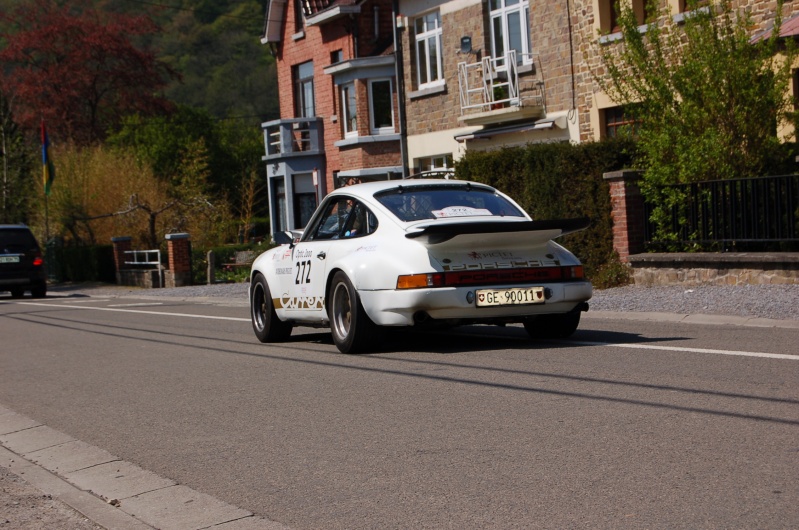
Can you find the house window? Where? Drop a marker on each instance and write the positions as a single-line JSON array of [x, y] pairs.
[[381, 106], [609, 13], [510, 29], [303, 90], [617, 121], [349, 110], [299, 17], [428, 49], [304, 199], [432, 163]]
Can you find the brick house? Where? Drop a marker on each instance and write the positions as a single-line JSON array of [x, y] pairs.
[[339, 113]]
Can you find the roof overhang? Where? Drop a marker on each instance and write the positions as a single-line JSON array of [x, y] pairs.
[[330, 14], [361, 68], [538, 125], [789, 28], [273, 26]]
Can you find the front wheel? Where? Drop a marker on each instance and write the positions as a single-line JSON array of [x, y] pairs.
[[553, 326], [353, 330], [265, 322]]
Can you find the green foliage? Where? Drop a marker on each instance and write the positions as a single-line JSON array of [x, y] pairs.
[[225, 68], [17, 162], [232, 149], [612, 273], [708, 101], [558, 181]]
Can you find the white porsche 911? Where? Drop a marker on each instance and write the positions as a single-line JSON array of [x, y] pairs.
[[418, 253]]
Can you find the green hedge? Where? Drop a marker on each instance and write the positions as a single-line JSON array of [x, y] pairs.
[[81, 264], [560, 181]]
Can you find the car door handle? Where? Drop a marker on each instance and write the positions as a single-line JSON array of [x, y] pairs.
[[321, 255]]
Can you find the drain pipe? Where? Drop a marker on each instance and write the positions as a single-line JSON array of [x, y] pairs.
[[399, 72]]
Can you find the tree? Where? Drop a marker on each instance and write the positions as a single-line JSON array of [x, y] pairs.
[[706, 98], [78, 68], [233, 148], [17, 164]]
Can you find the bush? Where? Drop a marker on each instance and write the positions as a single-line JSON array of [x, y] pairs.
[[559, 181], [222, 255]]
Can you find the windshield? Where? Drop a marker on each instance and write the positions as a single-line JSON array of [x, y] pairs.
[[440, 202]]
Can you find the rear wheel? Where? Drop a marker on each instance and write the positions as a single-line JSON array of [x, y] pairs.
[[267, 326], [39, 291], [17, 293], [353, 330], [553, 326]]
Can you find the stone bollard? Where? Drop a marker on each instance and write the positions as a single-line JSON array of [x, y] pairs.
[[211, 268]]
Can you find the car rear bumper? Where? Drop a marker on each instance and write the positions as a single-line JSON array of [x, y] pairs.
[[404, 308]]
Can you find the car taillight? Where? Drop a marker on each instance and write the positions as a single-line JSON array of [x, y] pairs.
[[38, 261], [418, 281], [573, 273], [491, 277]]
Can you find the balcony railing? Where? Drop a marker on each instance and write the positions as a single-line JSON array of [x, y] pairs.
[[293, 137], [495, 84]]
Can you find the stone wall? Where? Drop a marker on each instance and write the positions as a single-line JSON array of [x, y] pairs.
[[724, 268]]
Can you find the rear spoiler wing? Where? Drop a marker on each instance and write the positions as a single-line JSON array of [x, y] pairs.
[[439, 233]]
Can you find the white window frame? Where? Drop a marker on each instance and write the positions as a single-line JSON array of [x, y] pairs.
[[502, 13], [428, 33], [304, 90], [381, 130], [436, 162], [349, 109]]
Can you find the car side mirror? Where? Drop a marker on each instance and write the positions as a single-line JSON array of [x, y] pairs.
[[283, 238]]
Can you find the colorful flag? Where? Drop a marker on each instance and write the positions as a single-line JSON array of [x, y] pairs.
[[48, 170]]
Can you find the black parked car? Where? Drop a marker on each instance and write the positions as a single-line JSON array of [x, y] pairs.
[[21, 262]]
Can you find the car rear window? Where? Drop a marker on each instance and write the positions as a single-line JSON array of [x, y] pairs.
[[439, 202], [16, 239]]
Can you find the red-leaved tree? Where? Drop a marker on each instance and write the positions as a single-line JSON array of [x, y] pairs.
[[78, 69]]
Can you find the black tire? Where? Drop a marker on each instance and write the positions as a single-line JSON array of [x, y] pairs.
[[17, 293], [353, 331], [39, 291], [267, 326], [553, 326]]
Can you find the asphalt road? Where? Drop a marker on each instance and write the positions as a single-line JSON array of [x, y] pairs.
[[630, 424]]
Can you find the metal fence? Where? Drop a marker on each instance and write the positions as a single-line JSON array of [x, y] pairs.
[[751, 214]]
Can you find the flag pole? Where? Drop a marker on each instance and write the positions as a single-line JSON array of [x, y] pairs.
[[48, 173]]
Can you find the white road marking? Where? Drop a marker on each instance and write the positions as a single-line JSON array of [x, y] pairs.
[[633, 346], [691, 350], [142, 304], [93, 300], [161, 313]]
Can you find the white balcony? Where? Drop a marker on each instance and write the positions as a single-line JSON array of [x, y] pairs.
[[500, 89], [293, 137]]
